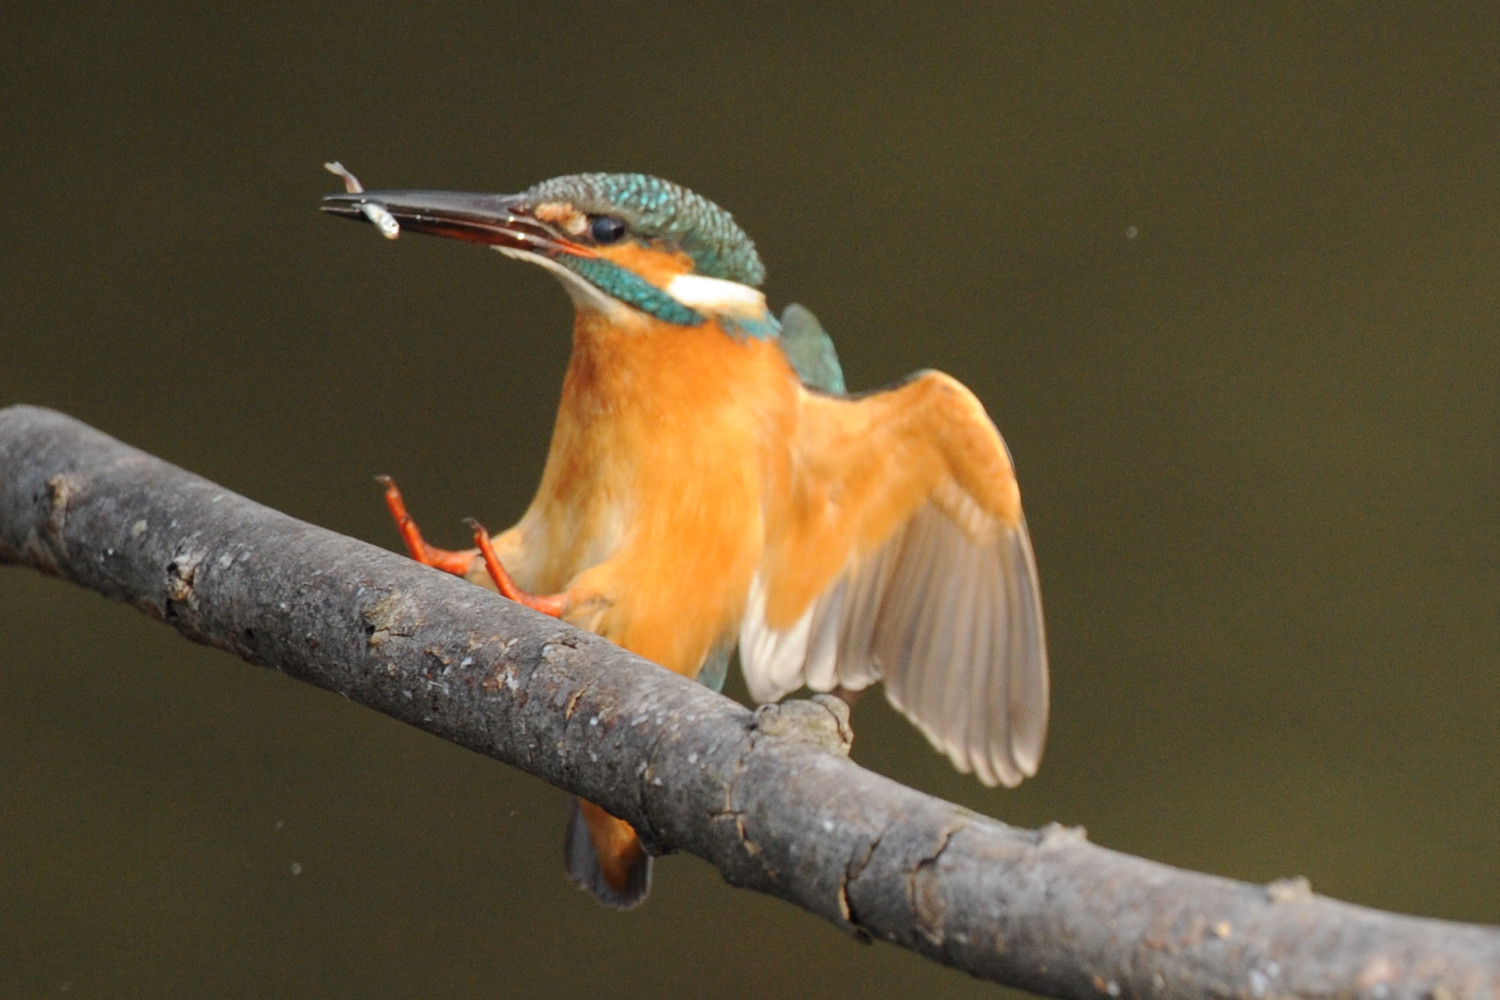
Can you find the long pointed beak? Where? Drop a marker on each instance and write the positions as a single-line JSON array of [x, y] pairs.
[[498, 220]]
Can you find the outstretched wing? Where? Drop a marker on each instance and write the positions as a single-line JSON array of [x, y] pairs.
[[902, 553]]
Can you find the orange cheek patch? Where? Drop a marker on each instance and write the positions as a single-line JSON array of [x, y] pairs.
[[562, 215], [657, 266]]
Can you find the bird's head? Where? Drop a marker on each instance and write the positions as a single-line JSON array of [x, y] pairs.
[[619, 242]]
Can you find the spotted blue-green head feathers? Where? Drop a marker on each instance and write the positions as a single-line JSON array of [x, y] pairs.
[[658, 210]]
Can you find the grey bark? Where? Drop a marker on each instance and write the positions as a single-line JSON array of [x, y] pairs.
[[768, 797]]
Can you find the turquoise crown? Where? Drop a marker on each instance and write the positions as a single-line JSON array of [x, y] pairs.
[[659, 210]]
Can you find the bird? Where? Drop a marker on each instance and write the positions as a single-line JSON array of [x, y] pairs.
[[712, 484]]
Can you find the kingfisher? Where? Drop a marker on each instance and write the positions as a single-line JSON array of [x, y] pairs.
[[711, 484]]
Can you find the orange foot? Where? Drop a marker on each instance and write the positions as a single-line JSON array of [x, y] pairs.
[[457, 563], [547, 604]]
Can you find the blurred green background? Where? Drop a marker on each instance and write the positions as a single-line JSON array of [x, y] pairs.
[[1225, 275]]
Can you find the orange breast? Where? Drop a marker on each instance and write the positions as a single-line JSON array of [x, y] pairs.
[[650, 508]]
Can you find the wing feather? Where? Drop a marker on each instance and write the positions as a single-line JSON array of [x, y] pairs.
[[856, 665], [996, 753], [981, 725], [823, 639], [779, 655], [929, 563], [930, 583], [1029, 683], [977, 605]]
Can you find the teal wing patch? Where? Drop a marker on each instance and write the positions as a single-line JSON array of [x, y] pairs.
[[810, 350], [716, 666]]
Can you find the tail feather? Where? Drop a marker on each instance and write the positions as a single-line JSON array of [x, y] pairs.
[[625, 878]]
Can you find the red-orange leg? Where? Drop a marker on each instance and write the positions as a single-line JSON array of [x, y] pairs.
[[457, 563], [547, 604]]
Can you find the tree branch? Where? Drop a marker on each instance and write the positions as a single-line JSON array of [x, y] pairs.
[[767, 797]]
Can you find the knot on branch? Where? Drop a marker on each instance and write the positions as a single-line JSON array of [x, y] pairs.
[[392, 616], [44, 549], [182, 574], [61, 489], [822, 721], [1295, 889]]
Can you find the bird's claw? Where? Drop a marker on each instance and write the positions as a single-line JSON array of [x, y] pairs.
[[457, 563], [547, 604]]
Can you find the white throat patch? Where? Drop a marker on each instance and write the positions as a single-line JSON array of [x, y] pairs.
[[583, 294]]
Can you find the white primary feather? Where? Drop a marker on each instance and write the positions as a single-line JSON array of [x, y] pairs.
[[778, 656]]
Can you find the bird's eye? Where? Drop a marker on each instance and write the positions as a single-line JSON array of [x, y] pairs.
[[606, 229]]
